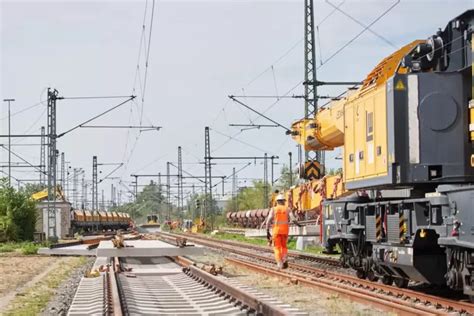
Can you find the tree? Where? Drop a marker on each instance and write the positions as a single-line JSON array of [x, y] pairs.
[[149, 201], [30, 188], [251, 197], [17, 213], [334, 171], [287, 179]]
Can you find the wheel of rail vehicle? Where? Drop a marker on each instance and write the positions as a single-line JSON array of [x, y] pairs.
[[361, 274], [371, 276], [401, 283], [387, 280]]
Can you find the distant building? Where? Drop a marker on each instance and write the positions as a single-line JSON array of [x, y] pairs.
[[63, 218]]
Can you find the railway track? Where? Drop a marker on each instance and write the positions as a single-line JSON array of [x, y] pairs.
[[168, 286], [384, 296], [211, 242]]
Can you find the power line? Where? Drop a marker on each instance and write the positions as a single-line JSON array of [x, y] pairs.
[[147, 60], [22, 159], [240, 141], [96, 97], [362, 24], [360, 33], [255, 111], [22, 110], [264, 71], [96, 117]]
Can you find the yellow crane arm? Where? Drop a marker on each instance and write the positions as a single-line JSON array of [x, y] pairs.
[[326, 130]]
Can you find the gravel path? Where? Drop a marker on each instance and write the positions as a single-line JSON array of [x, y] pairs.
[[64, 295], [309, 299]]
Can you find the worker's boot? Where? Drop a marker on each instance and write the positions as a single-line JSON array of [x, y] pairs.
[[279, 265], [285, 264]]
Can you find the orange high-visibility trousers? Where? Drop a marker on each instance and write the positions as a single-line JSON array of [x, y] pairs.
[[279, 247]]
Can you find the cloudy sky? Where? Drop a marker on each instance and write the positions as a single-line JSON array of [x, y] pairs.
[[199, 53]]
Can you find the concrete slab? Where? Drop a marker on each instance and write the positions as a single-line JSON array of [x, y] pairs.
[[100, 261], [151, 266], [146, 248], [303, 241], [310, 230], [77, 250]]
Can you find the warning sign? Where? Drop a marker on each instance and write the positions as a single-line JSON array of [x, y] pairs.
[[400, 85], [312, 170]]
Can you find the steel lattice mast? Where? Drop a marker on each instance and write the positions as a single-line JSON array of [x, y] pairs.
[[208, 209], [52, 163], [310, 76]]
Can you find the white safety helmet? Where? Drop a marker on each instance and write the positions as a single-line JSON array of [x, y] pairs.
[[280, 197]]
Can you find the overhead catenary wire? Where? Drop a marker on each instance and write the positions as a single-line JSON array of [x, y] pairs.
[[138, 78], [22, 159], [286, 53], [23, 110], [240, 141], [362, 24], [236, 172], [360, 33], [338, 51], [147, 60], [262, 115], [97, 97], [96, 116]]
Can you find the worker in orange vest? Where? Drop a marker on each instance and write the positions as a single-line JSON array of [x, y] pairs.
[[281, 215]]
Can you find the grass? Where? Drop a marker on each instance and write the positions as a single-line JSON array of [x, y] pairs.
[[312, 249], [29, 249], [24, 247], [36, 298], [8, 247], [240, 238]]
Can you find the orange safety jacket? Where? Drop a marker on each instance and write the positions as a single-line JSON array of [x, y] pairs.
[[280, 220]]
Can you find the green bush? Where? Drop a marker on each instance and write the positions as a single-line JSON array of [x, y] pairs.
[[29, 249], [17, 213], [7, 247]]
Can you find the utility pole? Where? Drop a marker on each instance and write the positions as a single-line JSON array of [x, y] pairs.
[[112, 195], [234, 190], [63, 171], [74, 187], [86, 203], [312, 158], [9, 141], [67, 179], [136, 187], [52, 97], [208, 178], [291, 169], [83, 193], [180, 180], [103, 201], [95, 191], [168, 189], [43, 156], [265, 181], [272, 158]]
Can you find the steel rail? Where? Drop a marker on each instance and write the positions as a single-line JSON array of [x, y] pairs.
[[342, 279], [114, 295], [252, 302], [217, 243], [360, 294], [204, 292]]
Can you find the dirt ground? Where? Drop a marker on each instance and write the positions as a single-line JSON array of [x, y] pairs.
[[30, 278], [308, 299], [16, 271]]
